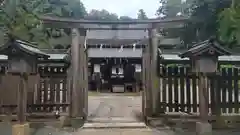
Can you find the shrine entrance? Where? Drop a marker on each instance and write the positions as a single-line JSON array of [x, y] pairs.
[[117, 32], [120, 72]]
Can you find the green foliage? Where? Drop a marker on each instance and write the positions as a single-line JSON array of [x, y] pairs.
[[101, 15], [64, 8], [20, 19], [229, 24], [104, 15], [170, 8], [162, 9], [125, 18], [142, 15], [203, 22]]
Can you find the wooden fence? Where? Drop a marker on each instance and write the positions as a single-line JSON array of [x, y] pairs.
[[179, 91], [47, 93], [51, 95]]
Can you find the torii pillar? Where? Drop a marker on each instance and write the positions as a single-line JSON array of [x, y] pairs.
[[77, 108], [153, 80]]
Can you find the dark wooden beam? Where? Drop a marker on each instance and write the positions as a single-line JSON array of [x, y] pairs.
[[117, 42]]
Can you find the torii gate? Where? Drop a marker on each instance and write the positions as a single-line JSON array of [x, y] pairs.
[[79, 87]]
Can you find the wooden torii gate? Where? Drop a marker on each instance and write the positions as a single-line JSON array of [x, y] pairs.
[[79, 88]]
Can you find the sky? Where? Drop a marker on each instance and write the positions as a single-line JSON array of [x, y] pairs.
[[124, 7]]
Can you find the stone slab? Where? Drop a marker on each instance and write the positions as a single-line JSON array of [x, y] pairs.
[[112, 119], [21, 129], [115, 131], [77, 122], [113, 125], [203, 128], [64, 121], [5, 128]]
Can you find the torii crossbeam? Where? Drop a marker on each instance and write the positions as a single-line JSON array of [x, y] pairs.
[[134, 24]]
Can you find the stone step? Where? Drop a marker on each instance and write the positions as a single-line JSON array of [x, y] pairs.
[[114, 125], [143, 131], [112, 120]]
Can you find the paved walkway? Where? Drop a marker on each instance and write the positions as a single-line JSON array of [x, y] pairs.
[[110, 106], [145, 131], [111, 114], [108, 112], [112, 111]]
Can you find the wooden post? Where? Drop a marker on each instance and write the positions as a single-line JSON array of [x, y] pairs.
[[83, 73], [217, 101], [75, 95], [203, 97], [147, 83], [78, 39], [69, 89], [87, 86], [22, 99], [85, 81], [154, 79], [144, 84]]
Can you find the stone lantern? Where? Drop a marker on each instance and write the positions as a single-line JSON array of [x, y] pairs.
[[22, 63], [22, 56], [204, 61], [204, 56]]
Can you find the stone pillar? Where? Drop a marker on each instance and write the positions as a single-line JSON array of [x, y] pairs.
[[203, 127], [22, 98], [22, 128], [203, 97]]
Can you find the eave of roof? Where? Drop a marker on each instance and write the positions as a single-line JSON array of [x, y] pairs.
[[202, 46], [25, 47]]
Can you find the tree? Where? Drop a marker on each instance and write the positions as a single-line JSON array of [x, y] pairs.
[[171, 8], [203, 20], [229, 24], [19, 19], [101, 15], [142, 15], [125, 18], [162, 8], [25, 24], [64, 8]]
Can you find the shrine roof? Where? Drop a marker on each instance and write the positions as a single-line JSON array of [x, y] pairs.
[[204, 46], [24, 46]]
